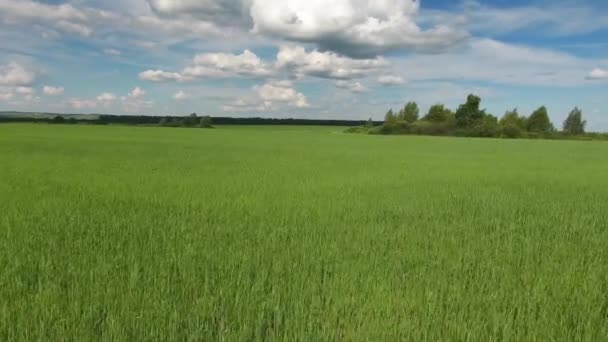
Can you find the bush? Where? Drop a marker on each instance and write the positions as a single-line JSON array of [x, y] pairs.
[[512, 131]]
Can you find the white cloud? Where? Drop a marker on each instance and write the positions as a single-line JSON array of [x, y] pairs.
[[218, 65], [25, 90], [214, 65], [282, 92], [359, 28], [598, 74], [160, 76], [270, 96], [52, 91], [137, 93], [326, 64], [106, 98], [353, 87], [14, 74], [64, 17], [181, 95], [85, 21], [390, 80]]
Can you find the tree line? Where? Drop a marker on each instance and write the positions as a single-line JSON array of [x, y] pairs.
[[176, 121], [472, 121]]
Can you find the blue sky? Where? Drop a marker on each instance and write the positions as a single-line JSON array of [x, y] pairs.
[[350, 59]]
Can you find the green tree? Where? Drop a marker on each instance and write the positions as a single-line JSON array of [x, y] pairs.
[[438, 113], [575, 124], [58, 119], [469, 113], [539, 121], [163, 122], [410, 112], [191, 120], [512, 118], [206, 122], [390, 117]]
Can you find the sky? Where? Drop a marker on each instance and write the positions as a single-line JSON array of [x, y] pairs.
[[318, 59]]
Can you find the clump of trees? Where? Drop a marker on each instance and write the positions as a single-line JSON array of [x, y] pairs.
[[471, 120], [191, 121]]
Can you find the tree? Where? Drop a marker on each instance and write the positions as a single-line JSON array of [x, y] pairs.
[[438, 113], [191, 120], [163, 122], [539, 121], [575, 124], [469, 113], [410, 112], [369, 123], [390, 117], [512, 118], [206, 122], [58, 119]]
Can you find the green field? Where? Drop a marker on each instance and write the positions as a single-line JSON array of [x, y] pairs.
[[299, 233]]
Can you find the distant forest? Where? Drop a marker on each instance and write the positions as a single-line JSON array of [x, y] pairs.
[[170, 121]]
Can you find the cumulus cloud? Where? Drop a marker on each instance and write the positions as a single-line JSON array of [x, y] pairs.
[[326, 64], [15, 74], [598, 74], [353, 87], [270, 96], [64, 17], [85, 21], [282, 92], [137, 93], [181, 96], [160, 76], [390, 80], [214, 65], [357, 28], [52, 91]]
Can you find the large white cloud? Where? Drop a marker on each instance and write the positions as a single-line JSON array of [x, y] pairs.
[[326, 64], [359, 28]]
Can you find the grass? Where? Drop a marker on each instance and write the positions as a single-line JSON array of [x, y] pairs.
[[299, 233]]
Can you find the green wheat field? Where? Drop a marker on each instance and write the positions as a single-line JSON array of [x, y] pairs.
[[124, 233]]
